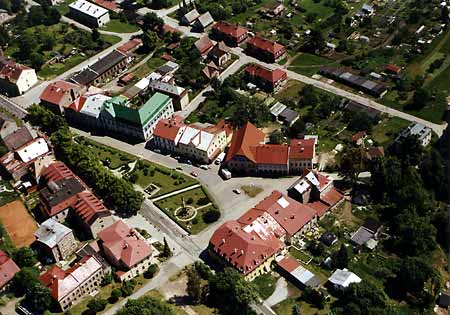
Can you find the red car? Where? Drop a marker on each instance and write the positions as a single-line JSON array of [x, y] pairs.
[[194, 174]]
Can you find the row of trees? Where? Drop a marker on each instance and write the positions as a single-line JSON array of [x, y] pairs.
[[118, 193]]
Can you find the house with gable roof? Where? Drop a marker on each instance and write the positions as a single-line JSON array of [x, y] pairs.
[[8, 269], [232, 35], [126, 249], [60, 94], [15, 78], [265, 49]]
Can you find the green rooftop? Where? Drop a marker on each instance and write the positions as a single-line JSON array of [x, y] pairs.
[[118, 108]]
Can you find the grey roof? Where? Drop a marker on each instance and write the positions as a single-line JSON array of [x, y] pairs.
[[288, 115], [356, 107], [372, 225], [444, 300], [361, 236], [91, 73], [107, 62], [58, 191], [51, 232], [277, 109], [416, 129], [85, 77], [343, 278], [19, 137], [306, 277], [191, 16], [205, 19]]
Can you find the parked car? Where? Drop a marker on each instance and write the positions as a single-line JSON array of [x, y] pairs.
[[179, 168], [194, 174], [237, 191], [204, 167]]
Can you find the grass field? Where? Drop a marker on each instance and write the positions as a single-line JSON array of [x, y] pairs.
[[303, 257], [148, 67], [118, 26], [191, 198], [308, 64], [116, 158], [251, 191], [385, 131], [265, 285]]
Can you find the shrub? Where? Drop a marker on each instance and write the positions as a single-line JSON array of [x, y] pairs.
[[151, 271], [203, 270], [189, 201], [203, 201], [195, 221], [127, 288], [211, 216], [115, 295]]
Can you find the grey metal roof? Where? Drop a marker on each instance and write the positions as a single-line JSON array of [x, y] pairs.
[[361, 236], [51, 232], [107, 62]]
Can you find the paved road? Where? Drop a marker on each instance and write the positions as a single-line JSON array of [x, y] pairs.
[[12, 107]]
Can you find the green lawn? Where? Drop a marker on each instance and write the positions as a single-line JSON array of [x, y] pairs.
[[50, 71], [7, 196], [151, 65], [303, 257], [191, 198], [285, 307], [387, 129], [168, 180], [112, 157], [308, 64], [117, 26], [265, 285]]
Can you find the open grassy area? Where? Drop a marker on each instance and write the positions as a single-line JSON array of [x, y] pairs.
[[195, 199], [117, 26], [265, 285], [151, 65], [308, 64], [8, 195], [303, 257], [168, 180], [112, 157], [384, 132], [251, 190], [285, 307]]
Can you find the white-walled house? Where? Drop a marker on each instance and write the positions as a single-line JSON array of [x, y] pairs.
[[15, 79]]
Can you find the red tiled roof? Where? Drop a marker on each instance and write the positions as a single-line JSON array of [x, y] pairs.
[[235, 31], [393, 68], [130, 46], [244, 251], [55, 91], [88, 207], [203, 45], [50, 275], [290, 214], [8, 269], [331, 197], [168, 128], [222, 125], [10, 70], [375, 152], [265, 44], [124, 244], [107, 4], [359, 135], [259, 71], [57, 171], [271, 154], [289, 264], [243, 139], [319, 206], [302, 149]]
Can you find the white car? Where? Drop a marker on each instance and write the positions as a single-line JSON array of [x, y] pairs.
[[237, 191], [204, 167]]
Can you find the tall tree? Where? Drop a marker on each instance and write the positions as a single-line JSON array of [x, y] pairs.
[[341, 257], [38, 297], [194, 288], [145, 306], [25, 257]]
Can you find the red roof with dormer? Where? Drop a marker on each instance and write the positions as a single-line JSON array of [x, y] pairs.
[[55, 91], [8, 269], [231, 30], [302, 149], [275, 154], [242, 250], [265, 44], [273, 76], [168, 128], [88, 207], [243, 139], [124, 244]]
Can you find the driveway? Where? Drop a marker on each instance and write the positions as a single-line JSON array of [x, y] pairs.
[[281, 293]]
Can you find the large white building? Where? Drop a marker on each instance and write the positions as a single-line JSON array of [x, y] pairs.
[[199, 144], [89, 13]]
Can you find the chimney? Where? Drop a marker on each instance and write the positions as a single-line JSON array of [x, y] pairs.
[[242, 252]]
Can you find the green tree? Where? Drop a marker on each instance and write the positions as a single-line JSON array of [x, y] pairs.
[[276, 137], [297, 128], [107, 279], [152, 22], [231, 293], [296, 310], [24, 279], [341, 257], [420, 98], [351, 164], [38, 297], [96, 305], [166, 249], [146, 306], [150, 40], [127, 288], [211, 216], [24, 257], [95, 35], [194, 288], [151, 271], [115, 295]]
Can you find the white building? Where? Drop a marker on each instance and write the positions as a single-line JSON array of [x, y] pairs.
[[179, 95], [422, 133], [15, 79], [89, 13], [342, 278]]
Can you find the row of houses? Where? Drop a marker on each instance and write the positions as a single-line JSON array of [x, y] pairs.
[[249, 154], [191, 141], [251, 243]]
